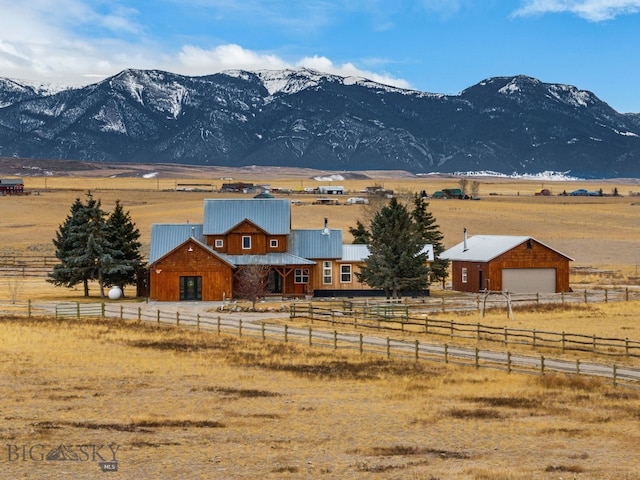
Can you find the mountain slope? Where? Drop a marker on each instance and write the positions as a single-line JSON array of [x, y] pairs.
[[304, 118]]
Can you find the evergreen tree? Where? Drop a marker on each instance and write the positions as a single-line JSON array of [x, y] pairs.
[[430, 233], [125, 260], [395, 262], [361, 235], [64, 274]]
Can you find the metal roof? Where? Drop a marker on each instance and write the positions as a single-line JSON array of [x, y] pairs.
[[483, 248], [167, 236], [355, 253], [270, 214], [323, 243], [278, 259]]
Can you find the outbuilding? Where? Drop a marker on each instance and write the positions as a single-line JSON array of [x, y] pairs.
[[518, 264]]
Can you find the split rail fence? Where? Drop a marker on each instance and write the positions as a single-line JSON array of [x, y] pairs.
[[413, 350]]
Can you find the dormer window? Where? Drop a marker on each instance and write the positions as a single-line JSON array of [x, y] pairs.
[[219, 243], [246, 242], [273, 243]]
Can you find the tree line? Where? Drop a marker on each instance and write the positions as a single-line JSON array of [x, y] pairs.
[[93, 245]]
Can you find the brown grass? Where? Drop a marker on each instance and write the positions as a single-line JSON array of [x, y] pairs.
[[186, 404]]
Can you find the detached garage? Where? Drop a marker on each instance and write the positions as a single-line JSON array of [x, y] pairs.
[[517, 264]]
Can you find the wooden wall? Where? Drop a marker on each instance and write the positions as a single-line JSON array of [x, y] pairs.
[[164, 275]]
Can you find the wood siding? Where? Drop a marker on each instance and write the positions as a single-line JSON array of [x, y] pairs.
[[217, 276], [490, 273], [317, 281], [260, 241]]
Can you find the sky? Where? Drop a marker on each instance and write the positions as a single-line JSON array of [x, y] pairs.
[[436, 46]]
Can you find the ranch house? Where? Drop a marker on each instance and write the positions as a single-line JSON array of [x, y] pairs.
[[517, 264], [11, 186], [201, 261]]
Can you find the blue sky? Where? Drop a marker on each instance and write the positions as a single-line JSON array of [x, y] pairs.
[[438, 46]]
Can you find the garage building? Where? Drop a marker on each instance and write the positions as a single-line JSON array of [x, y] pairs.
[[518, 264]]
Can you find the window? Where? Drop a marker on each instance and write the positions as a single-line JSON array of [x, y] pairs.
[[345, 273], [301, 275], [219, 243], [246, 242], [464, 275], [326, 272], [273, 243]]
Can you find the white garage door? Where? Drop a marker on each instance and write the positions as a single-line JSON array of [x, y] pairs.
[[529, 280]]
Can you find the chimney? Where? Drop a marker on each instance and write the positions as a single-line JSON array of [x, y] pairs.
[[325, 230], [464, 242]]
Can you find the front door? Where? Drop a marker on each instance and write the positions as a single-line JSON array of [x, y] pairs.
[[190, 288]]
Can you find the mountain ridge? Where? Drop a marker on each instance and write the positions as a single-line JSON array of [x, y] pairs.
[[309, 119]]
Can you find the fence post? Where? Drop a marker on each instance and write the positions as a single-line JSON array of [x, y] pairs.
[[29, 308], [310, 336], [218, 324], [478, 332], [78, 309], [177, 319], [426, 325], [121, 313], [534, 338], [626, 347], [286, 333], [594, 343], [562, 297], [615, 373], [578, 366], [240, 328], [311, 312], [541, 364], [198, 321], [361, 345], [477, 358], [585, 297], [626, 294], [139, 313], [263, 333], [537, 298], [443, 310], [606, 295], [446, 353], [417, 349], [388, 347], [563, 341], [508, 362], [451, 326], [292, 313], [506, 336], [158, 316], [335, 340]]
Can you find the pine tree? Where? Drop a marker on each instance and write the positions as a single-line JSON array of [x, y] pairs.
[[64, 274], [361, 235], [125, 260], [430, 233], [395, 262]]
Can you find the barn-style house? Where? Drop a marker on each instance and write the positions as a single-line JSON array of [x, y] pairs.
[[503, 263], [201, 261]]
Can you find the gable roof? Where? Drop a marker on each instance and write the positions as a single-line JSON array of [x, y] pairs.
[[484, 248], [315, 243], [167, 236], [270, 214]]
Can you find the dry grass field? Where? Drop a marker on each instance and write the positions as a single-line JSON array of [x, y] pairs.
[[185, 404], [182, 404]]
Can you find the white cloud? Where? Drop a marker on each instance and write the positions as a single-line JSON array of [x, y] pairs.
[[592, 10]]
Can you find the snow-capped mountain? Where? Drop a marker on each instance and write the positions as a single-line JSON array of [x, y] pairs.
[[305, 118]]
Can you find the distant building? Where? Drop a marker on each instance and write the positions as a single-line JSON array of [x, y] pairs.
[[331, 190], [11, 186]]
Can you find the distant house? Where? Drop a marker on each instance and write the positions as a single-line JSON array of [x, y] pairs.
[[237, 187], [201, 261], [519, 264], [11, 186]]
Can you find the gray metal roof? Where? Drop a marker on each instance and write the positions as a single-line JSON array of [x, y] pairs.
[[167, 236], [316, 243], [278, 259], [355, 253], [270, 214], [483, 248]]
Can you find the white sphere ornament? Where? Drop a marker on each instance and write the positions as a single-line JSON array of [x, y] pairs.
[[115, 293]]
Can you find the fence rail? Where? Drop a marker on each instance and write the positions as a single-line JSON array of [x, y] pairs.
[[400, 320], [388, 347]]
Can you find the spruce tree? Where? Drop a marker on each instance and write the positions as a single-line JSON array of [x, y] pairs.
[[395, 262], [361, 235], [64, 273], [125, 260], [430, 233]]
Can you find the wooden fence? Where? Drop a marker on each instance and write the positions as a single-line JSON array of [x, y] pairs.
[[397, 318], [413, 350]]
